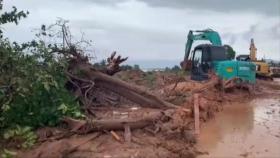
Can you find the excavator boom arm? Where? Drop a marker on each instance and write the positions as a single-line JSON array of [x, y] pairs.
[[209, 35]]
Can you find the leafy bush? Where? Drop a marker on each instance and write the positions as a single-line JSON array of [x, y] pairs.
[[32, 87], [24, 137], [32, 82], [177, 70], [126, 67], [8, 154], [230, 52], [11, 17], [150, 77]]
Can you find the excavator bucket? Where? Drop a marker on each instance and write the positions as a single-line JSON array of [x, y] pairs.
[[186, 65]]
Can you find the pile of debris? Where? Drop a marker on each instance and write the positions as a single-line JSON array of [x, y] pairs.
[[125, 120]]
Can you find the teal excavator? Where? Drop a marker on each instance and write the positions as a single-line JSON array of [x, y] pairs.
[[206, 58]]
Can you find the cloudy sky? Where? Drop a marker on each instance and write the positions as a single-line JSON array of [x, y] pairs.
[[156, 30]]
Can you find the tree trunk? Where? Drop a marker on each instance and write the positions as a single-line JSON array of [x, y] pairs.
[[82, 126], [131, 92]]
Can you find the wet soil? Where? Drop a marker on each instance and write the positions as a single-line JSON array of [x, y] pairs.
[[248, 129], [239, 129]]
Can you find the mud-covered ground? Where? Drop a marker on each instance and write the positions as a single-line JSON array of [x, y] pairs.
[[245, 129], [173, 137]]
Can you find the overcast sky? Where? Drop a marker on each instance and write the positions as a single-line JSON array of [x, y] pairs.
[[156, 29]]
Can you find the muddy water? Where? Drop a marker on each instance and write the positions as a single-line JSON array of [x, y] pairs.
[[244, 130], [277, 80]]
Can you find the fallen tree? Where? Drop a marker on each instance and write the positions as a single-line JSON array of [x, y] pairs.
[[87, 126], [83, 74]]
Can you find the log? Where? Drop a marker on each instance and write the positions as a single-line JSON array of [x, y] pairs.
[[82, 126], [116, 136], [196, 114], [131, 92], [213, 81]]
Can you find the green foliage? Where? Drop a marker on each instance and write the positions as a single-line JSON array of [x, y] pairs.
[[100, 65], [129, 67], [136, 67], [177, 70], [8, 154], [150, 77], [126, 67], [11, 17], [182, 73], [32, 81], [23, 136], [230, 52], [32, 89]]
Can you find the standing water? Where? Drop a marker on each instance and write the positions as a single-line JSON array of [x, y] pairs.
[[244, 130]]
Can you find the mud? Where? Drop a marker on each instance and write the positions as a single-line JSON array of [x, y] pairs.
[[151, 80], [249, 129], [231, 127]]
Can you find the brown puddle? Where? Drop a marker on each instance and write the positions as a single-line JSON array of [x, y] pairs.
[[243, 130]]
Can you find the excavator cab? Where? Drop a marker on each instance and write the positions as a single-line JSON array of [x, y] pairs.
[[208, 35], [213, 58], [202, 60]]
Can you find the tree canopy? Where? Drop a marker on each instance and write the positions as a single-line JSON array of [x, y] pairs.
[[230, 52]]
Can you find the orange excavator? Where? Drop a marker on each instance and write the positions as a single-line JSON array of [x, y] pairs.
[[262, 68]]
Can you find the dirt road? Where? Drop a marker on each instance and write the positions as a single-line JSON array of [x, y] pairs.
[[249, 129]]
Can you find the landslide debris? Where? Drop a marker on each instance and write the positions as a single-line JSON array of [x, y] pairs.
[[128, 120]]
